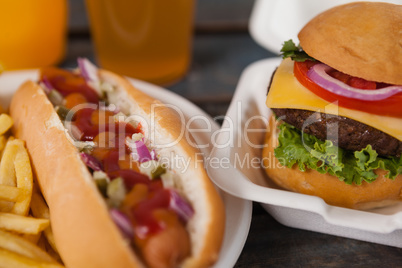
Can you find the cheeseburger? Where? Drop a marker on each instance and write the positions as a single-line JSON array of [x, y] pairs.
[[336, 129]]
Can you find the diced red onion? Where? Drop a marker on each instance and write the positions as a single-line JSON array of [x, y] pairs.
[[141, 231], [47, 85], [140, 149], [153, 155], [318, 74], [88, 70], [143, 152], [123, 223], [91, 162], [180, 206]]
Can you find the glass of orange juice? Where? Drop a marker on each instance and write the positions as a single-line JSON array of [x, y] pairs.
[[144, 39], [32, 33]]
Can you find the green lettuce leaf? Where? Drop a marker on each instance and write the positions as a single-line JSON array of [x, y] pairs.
[[296, 53], [308, 152]]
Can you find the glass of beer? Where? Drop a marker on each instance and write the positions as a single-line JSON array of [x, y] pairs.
[[145, 39], [32, 33]]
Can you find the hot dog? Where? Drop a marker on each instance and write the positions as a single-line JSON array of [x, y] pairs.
[[106, 156]]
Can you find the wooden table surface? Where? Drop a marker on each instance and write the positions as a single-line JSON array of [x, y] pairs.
[[222, 49]]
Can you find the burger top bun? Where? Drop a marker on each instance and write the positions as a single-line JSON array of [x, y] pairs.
[[362, 39]]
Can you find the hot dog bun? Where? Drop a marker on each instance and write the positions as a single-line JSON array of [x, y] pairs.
[[83, 230], [370, 49]]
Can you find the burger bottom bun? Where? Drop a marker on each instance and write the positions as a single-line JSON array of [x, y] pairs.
[[381, 192]]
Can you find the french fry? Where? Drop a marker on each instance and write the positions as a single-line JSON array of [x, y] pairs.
[[22, 224], [7, 170], [11, 193], [23, 247], [55, 255], [40, 209], [23, 173], [6, 123], [15, 170], [42, 243], [10, 259], [3, 141], [33, 238], [7, 139]]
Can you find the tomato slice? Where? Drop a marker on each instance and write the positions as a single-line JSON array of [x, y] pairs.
[[391, 106]]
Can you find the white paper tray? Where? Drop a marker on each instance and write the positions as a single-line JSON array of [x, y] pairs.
[[230, 171], [274, 21]]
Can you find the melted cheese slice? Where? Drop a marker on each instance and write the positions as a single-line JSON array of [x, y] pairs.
[[287, 92]]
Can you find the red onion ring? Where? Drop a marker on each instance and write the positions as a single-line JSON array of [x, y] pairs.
[[318, 74]]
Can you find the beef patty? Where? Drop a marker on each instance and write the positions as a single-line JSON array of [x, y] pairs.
[[343, 132]]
